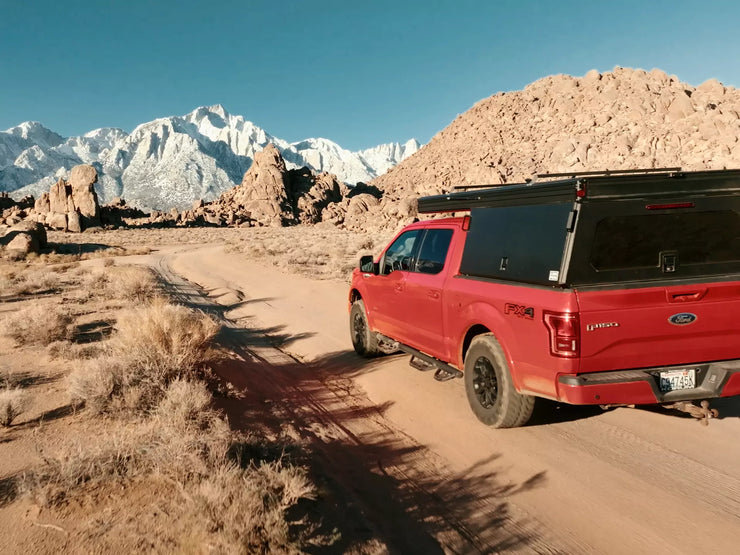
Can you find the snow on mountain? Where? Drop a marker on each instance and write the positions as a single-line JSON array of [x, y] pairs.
[[21, 137], [329, 157], [383, 157], [169, 162]]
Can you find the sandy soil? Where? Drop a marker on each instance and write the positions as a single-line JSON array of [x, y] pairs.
[[408, 450]]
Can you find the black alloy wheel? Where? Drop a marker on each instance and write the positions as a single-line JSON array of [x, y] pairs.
[[485, 383], [359, 330]]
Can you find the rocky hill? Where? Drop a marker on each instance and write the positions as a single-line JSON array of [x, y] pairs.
[[170, 162], [622, 119]]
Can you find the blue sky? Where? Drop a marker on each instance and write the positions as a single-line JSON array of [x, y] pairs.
[[359, 73]]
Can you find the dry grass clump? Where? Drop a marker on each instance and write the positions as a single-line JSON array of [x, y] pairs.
[[25, 280], [13, 401], [236, 504], [66, 350], [164, 341], [133, 283], [39, 324], [180, 445], [153, 347], [247, 507]]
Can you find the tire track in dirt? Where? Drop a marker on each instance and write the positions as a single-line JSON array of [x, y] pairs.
[[411, 500]]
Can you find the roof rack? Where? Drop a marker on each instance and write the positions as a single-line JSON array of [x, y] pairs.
[[609, 172], [597, 173], [468, 187]]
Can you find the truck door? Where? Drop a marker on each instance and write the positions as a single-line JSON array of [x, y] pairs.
[[386, 291], [424, 295]]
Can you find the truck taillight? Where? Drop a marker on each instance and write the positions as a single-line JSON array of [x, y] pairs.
[[565, 336]]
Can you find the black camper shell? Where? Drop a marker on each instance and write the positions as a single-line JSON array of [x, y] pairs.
[[611, 228]]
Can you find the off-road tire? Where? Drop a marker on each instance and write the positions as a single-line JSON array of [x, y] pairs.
[[364, 339], [491, 392]]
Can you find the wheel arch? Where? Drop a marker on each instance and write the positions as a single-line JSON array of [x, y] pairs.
[[473, 332]]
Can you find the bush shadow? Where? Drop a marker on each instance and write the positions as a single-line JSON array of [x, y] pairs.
[[91, 332], [8, 490]]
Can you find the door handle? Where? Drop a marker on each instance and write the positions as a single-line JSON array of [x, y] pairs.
[[433, 294], [398, 287]]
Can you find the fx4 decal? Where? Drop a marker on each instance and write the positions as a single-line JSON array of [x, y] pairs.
[[526, 312]]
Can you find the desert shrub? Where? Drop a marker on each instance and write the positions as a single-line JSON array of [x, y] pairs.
[[66, 350], [153, 347], [93, 384], [237, 505], [164, 341], [248, 506], [133, 284], [114, 457], [184, 401], [13, 401], [40, 324], [191, 438], [28, 280]]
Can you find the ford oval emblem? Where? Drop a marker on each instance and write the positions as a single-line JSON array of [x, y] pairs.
[[682, 319]]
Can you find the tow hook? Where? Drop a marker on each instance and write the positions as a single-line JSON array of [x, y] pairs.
[[703, 413]]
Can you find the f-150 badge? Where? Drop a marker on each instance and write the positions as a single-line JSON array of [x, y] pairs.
[[601, 325]]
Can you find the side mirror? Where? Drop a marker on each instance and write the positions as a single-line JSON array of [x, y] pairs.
[[368, 265]]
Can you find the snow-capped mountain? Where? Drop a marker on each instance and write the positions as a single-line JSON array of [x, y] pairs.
[[169, 162]]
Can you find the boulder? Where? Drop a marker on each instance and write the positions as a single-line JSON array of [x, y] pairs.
[[35, 229], [21, 243], [58, 197], [57, 220], [24, 238], [82, 180], [73, 222], [83, 176], [42, 204]]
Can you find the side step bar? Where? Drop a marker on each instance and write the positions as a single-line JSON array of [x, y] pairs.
[[444, 371]]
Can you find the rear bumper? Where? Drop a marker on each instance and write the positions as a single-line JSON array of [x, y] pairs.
[[641, 387]]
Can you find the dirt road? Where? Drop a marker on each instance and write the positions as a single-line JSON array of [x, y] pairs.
[[431, 478]]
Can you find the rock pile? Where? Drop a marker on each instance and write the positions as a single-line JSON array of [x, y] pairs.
[[71, 206], [269, 195], [623, 119], [23, 238]]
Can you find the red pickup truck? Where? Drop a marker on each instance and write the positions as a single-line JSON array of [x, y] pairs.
[[610, 289]]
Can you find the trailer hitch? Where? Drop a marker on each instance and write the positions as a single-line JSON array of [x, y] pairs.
[[703, 413]]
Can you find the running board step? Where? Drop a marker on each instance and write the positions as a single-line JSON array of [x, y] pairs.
[[421, 365], [444, 371], [442, 375]]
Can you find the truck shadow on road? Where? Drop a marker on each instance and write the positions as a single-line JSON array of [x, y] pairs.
[[728, 407], [551, 412]]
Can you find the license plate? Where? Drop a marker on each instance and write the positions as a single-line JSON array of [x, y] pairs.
[[672, 380]]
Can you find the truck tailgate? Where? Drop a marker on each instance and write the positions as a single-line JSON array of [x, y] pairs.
[[659, 326]]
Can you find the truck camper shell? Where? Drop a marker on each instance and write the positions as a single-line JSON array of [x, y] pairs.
[[601, 229]]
